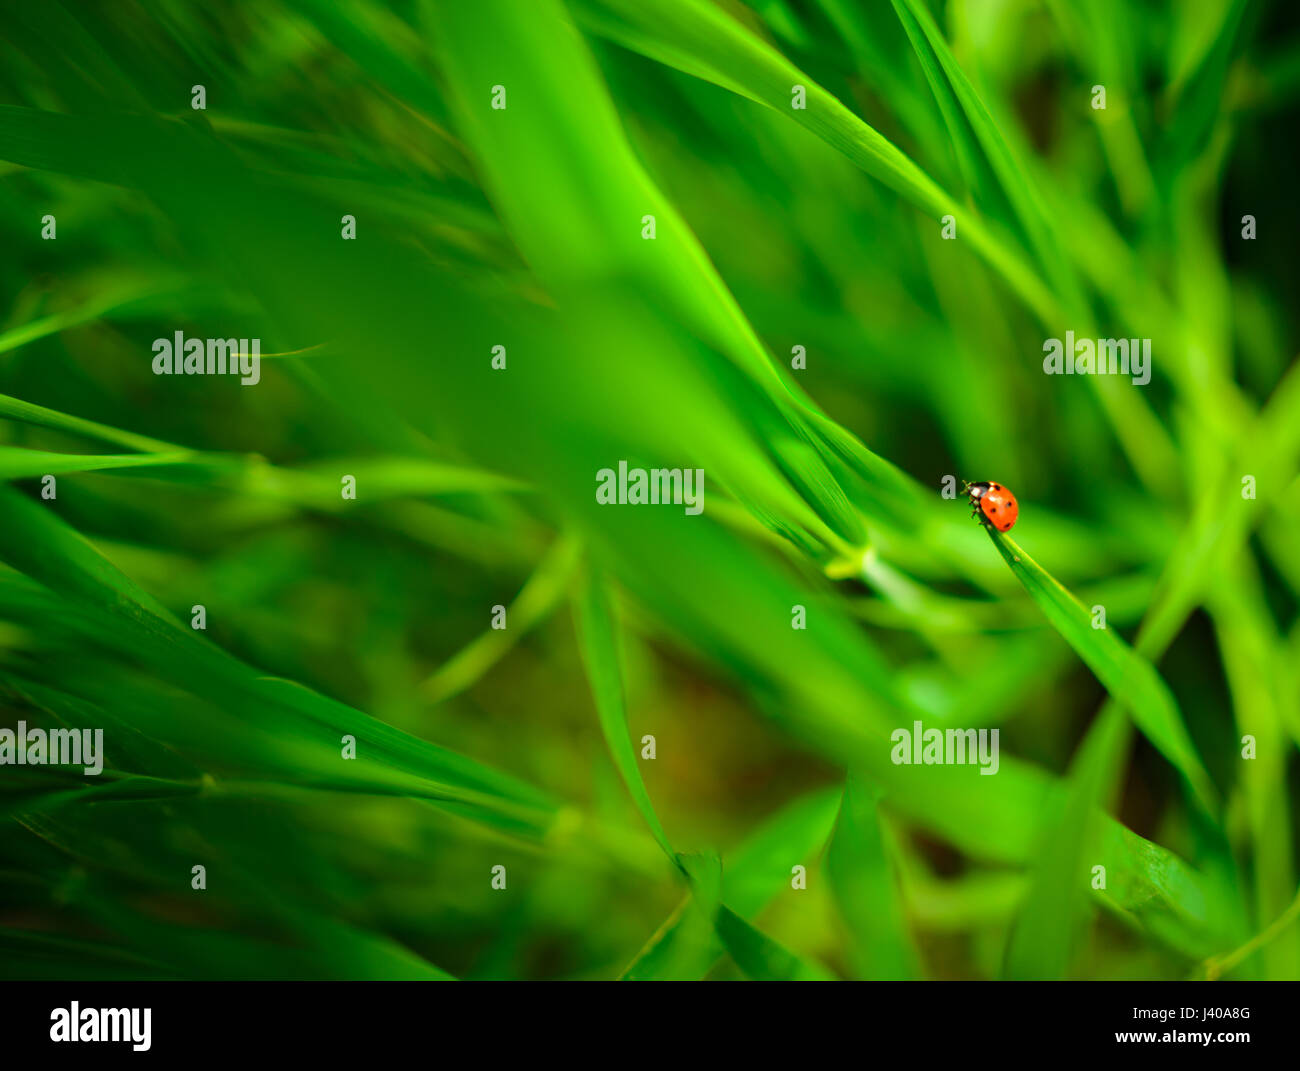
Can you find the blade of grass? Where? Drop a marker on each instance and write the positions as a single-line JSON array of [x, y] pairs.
[[1128, 677], [1050, 924], [719, 48], [542, 592], [17, 463], [756, 954], [862, 869]]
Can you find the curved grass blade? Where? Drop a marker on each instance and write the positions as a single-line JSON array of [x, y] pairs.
[[539, 596], [717, 47], [602, 660], [571, 237], [1127, 676]]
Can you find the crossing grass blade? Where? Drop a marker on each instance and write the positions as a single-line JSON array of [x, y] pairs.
[[757, 954], [975, 127], [686, 945], [715, 46]]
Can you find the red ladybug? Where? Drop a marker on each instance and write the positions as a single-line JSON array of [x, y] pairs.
[[998, 505]]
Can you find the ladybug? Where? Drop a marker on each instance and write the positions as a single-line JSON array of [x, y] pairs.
[[995, 502]]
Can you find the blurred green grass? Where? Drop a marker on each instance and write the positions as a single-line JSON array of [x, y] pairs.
[[775, 228]]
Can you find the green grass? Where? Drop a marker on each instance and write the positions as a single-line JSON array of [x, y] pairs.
[[776, 227]]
